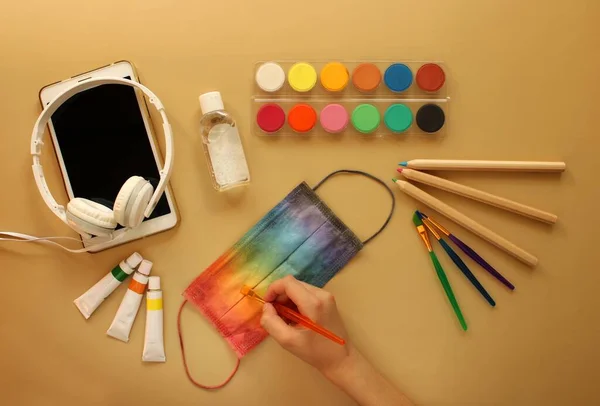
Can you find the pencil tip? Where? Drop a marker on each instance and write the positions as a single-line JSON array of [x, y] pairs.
[[403, 163], [399, 170], [394, 180]]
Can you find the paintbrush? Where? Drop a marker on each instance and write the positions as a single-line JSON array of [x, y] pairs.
[[470, 252], [440, 271], [294, 316], [457, 261]]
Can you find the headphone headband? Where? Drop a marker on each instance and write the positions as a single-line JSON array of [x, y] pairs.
[[46, 114]]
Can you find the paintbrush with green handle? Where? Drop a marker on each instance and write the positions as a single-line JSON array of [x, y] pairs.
[[439, 270]]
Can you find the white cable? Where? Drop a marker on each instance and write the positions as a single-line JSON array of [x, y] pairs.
[[18, 237]]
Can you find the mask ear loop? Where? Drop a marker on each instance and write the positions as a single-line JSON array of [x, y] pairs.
[[187, 371], [368, 175]]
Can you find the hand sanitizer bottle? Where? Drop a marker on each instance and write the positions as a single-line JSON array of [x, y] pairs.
[[222, 144]]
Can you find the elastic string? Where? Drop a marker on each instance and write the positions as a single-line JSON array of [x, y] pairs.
[[368, 175], [187, 371]]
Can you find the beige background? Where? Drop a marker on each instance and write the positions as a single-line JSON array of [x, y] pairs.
[[523, 76]]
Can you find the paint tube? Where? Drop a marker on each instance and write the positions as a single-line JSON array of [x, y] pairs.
[[90, 300], [154, 347], [128, 310]]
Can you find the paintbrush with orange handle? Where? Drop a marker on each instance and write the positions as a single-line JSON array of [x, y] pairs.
[[294, 316]]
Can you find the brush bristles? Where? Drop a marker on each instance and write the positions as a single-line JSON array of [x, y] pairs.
[[417, 220]]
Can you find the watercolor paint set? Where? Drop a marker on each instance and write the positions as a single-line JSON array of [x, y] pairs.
[[356, 98]]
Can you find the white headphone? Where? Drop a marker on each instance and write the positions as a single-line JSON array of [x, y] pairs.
[[136, 199]]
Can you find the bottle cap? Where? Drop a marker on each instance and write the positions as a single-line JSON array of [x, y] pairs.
[[210, 102], [134, 260], [145, 267], [154, 282]]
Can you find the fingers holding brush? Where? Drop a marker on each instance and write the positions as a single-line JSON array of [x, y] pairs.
[[288, 288], [275, 326]]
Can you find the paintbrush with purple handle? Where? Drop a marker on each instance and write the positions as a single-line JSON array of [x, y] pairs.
[[471, 253]]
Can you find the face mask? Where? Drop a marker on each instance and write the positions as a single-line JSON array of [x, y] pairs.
[[301, 237]]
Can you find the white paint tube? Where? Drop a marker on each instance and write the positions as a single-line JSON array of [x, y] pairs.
[[128, 310], [154, 346], [90, 300]]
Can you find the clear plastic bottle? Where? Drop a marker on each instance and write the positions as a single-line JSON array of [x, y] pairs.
[[222, 144]]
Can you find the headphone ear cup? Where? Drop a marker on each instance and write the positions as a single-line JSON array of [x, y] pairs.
[[90, 217], [134, 213], [132, 200], [123, 197]]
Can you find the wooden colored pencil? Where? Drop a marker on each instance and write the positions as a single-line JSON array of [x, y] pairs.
[[479, 195], [479, 165], [467, 223]]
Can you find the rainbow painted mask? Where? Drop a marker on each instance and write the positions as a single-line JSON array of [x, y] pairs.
[[300, 236]]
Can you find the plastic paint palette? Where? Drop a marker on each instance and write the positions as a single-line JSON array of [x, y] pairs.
[[377, 98]]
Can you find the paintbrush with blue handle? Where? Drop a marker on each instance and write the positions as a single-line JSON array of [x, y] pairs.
[[457, 261], [469, 251]]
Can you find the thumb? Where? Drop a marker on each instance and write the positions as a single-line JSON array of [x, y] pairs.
[[275, 326]]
